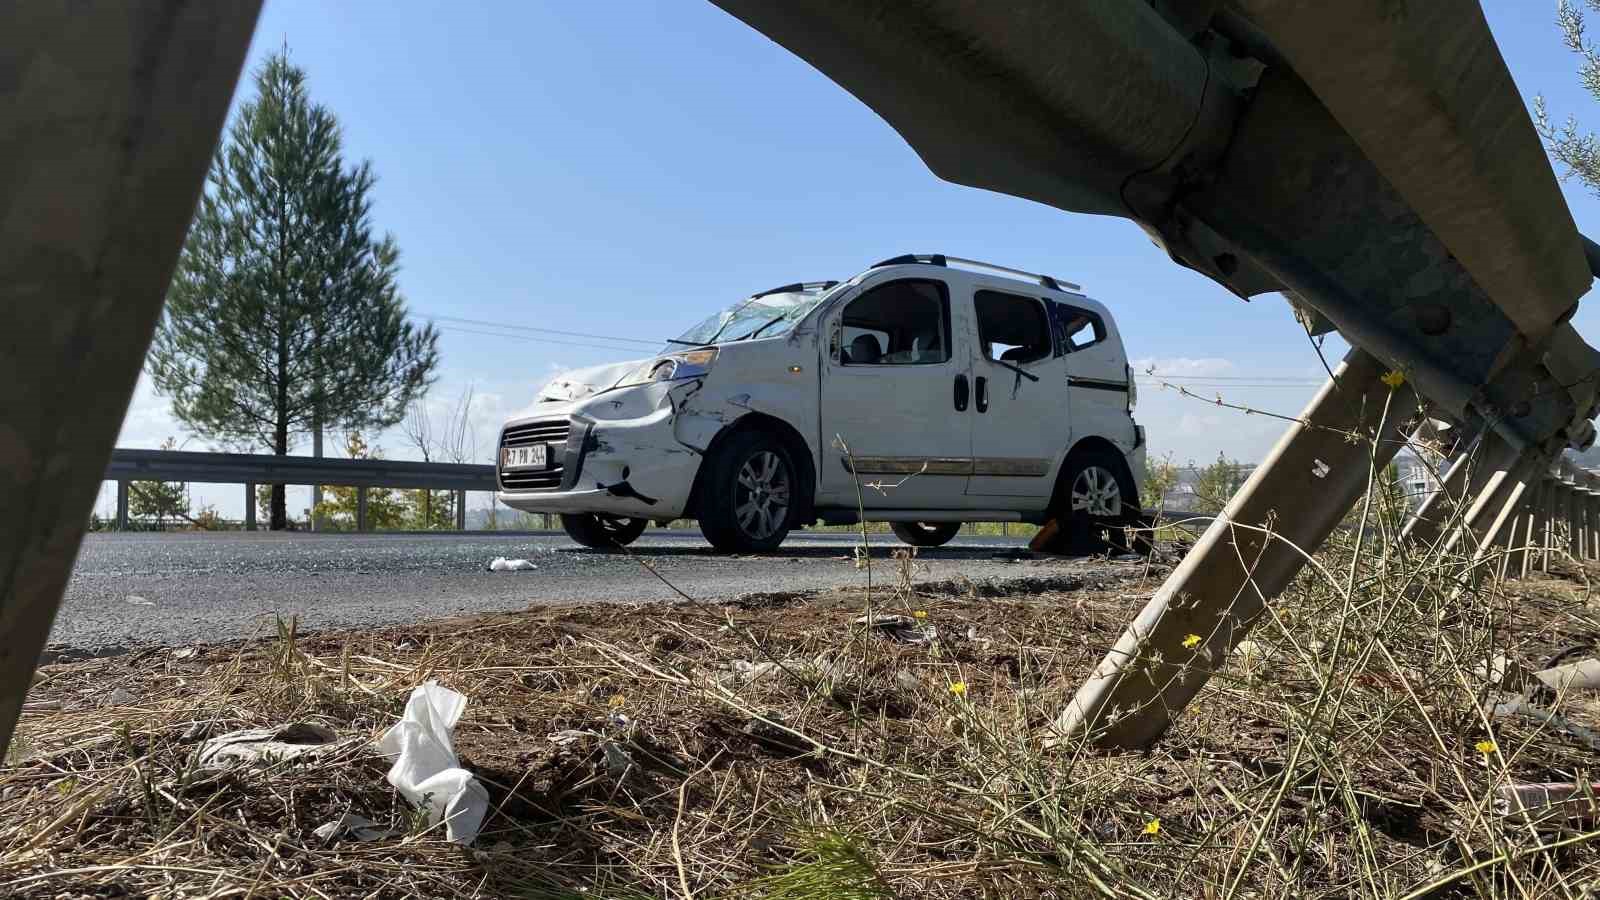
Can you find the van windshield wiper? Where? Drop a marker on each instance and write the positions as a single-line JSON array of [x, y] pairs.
[[1023, 372], [764, 326], [686, 343]]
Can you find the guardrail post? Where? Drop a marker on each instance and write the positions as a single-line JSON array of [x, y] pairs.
[[1520, 541], [1298, 494], [122, 506], [249, 506], [1592, 507], [1579, 523], [461, 510], [1584, 515], [1504, 513], [112, 112], [1500, 474], [1552, 498], [361, 508]]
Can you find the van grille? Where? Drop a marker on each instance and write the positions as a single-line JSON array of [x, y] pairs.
[[553, 433]]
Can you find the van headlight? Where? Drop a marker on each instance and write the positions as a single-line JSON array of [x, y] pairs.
[[688, 364]]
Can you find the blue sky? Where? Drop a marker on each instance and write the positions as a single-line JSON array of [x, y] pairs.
[[625, 169]]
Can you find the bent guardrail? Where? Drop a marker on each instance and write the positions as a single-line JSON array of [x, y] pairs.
[[251, 469]]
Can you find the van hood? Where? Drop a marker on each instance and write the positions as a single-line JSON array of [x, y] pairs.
[[580, 383]]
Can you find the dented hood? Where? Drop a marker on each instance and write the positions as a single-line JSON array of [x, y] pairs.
[[580, 383]]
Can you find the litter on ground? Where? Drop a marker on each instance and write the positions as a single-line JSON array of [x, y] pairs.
[[426, 770]]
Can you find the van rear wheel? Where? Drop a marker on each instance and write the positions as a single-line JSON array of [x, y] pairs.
[[599, 532], [1097, 501], [925, 534]]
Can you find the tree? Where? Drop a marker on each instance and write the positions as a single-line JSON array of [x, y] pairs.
[[284, 316], [387, 509], [1216, 483], [159, 500], [452, 441], [1160, 476], [1577, 151]]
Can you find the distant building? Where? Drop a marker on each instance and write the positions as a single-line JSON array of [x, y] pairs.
[[1181, 497], [1417, 478]]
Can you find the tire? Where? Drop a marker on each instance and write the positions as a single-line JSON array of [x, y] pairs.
[[925, 534], [749, 493], [602, 532], [1097, 500]]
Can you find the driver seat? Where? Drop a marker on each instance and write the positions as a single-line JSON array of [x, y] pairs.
[[863, 350]]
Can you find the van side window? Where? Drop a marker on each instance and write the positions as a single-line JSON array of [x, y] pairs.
[[896, 324], [1012, 328], [1075, 329]]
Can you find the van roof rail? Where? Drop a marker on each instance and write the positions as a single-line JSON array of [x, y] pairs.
[[797, 286], [939, 259]]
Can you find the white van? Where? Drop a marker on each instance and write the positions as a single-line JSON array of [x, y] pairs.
[[925, 392]]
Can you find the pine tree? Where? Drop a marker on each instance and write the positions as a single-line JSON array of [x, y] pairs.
[[284, 317], [1577, 151]]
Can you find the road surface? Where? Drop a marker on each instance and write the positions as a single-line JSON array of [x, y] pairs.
[[131, 590]]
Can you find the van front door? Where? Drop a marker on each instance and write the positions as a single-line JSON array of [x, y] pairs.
[[896, 391]]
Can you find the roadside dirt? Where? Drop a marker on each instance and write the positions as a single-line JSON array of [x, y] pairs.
[[748, 733]]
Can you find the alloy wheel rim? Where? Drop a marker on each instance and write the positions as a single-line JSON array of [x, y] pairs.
[[1095, 491], [761, 503]]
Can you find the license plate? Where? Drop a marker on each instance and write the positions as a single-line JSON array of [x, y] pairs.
[[533, 456]]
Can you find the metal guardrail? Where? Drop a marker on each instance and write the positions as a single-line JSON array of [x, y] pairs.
[[251, 469]]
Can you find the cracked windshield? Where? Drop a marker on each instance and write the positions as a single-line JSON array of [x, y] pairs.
[[765, 315]]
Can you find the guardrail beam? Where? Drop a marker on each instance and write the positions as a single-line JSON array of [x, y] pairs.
[[261, 468]]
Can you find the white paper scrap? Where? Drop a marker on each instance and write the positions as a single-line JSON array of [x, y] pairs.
[[426, 770]]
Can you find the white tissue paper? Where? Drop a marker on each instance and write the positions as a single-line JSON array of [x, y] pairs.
[[426, 770], [502, 564]]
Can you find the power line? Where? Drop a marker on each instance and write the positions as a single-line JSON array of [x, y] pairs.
[[1281, 379], [578, 334], [540, 340]]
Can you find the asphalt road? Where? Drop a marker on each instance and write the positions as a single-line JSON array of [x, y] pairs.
[[132, 590]]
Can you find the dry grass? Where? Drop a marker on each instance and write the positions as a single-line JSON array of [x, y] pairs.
[[775, 749]]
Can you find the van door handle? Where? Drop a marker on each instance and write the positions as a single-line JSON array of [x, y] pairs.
[[961, 393], [983, 394]]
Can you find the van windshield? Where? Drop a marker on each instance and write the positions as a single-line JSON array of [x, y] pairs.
[[770, 314]]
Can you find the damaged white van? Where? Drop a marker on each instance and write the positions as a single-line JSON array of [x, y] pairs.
[[924, 392]]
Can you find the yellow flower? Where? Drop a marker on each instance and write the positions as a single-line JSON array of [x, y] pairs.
[[959, 688], [920, 614], [617, 700], [1191, 641], [1395, 378], [1486, 747], [1152, 827]]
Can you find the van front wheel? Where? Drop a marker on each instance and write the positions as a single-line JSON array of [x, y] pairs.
[[602, 532], [749, 493]]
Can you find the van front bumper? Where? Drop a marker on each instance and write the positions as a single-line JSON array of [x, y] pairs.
[[622, 467]]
